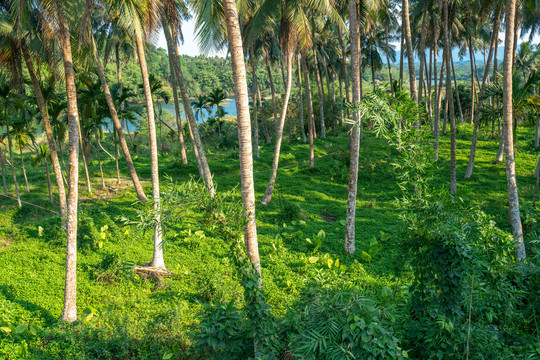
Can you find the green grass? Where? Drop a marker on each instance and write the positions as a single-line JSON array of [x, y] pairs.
[[146, 321]]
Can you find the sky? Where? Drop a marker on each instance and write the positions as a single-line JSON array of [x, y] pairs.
[[191, 45]]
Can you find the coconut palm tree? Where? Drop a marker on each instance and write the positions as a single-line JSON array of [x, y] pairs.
[[216, 98], [43, 156], [406, 28], [244, 132], [200, 105], [513, 200]]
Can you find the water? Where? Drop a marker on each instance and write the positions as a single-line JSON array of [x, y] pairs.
[[229, 106]]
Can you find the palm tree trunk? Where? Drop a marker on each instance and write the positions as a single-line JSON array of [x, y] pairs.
[[473, 83], [24, 169], [183, 154], [437, 102], [118, 127], [450, 99], [3, 165], [537, 133], [372, 69], [388, 60], [157, 258], [354, 139], [255, 87], [244, 132], [410, 53], [272, 90], [513, 200], [204, 169], [262, 114], [494, 39], [422, 51], [279, 130], [301, 100], [98, 145], [341, 102], [311, 127], [10, 148], [457, 91], [344, 65], [429, 83], [537, 176], [69, 312], [401, 56], [49, 182], [321, 93], [48, 131], [116, 156]]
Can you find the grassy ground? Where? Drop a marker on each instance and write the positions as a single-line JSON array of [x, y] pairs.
[[32, 247]]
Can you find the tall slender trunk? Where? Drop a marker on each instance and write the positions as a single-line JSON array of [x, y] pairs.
[[98, 145], [410, 53], [473, 83], [344, 65], [422, 51], [272, 90], [157, 258], [48, 131], [24, 169], [255, 87], [456, 87], [69, 312], [311, 124], [429, 84], [537, 133], [10, 148], [3, 165], [513, 200], [118, 125], [537, 176], [341, 102], [401, 56], [183, 153], [320, 90], [116, 156], [437, 103], [386, 29], [262, 114], [372, 68], [301, 100], [279, 130], [453, 182], [355, 135], [204, 168], [49, 182], [244, 132], [494, 39]]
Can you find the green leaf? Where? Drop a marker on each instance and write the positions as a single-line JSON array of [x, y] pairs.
[[384, 236], [343, 222], [176, 348], [313, 259], [365, 256], [168, 355], [309, 240], [336, 263], [5, 329], [330, 263], [40, 231], [322, 235], [21, 329], [199, 233]]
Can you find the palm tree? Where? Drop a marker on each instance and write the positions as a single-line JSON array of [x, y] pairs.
[[449, 96], [216, 98], [244, 132], [406, 27], [23, 135], [354, 33], [311, 123], [200, 105], [3, 165], [513, 200], [169, 22], [43, 156]]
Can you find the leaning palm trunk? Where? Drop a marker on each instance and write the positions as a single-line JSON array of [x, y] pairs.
[[513, 200], [24, 169], [255, 88], [386, 29], [204, 170], [49, 181], [48, 131], [410, 53], [279, 129], [311, 127], [69, 313], [157, 258], [492, 49], [244, 132], [301, 100], [3, 165], [118, 127], [450, 100], [355, 135], [272, 90], [321, 93], [10, 148], [116, 156]]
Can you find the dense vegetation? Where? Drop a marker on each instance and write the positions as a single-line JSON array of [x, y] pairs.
[[344, 212]]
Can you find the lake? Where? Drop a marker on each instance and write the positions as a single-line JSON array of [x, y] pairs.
[[229, 106]]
